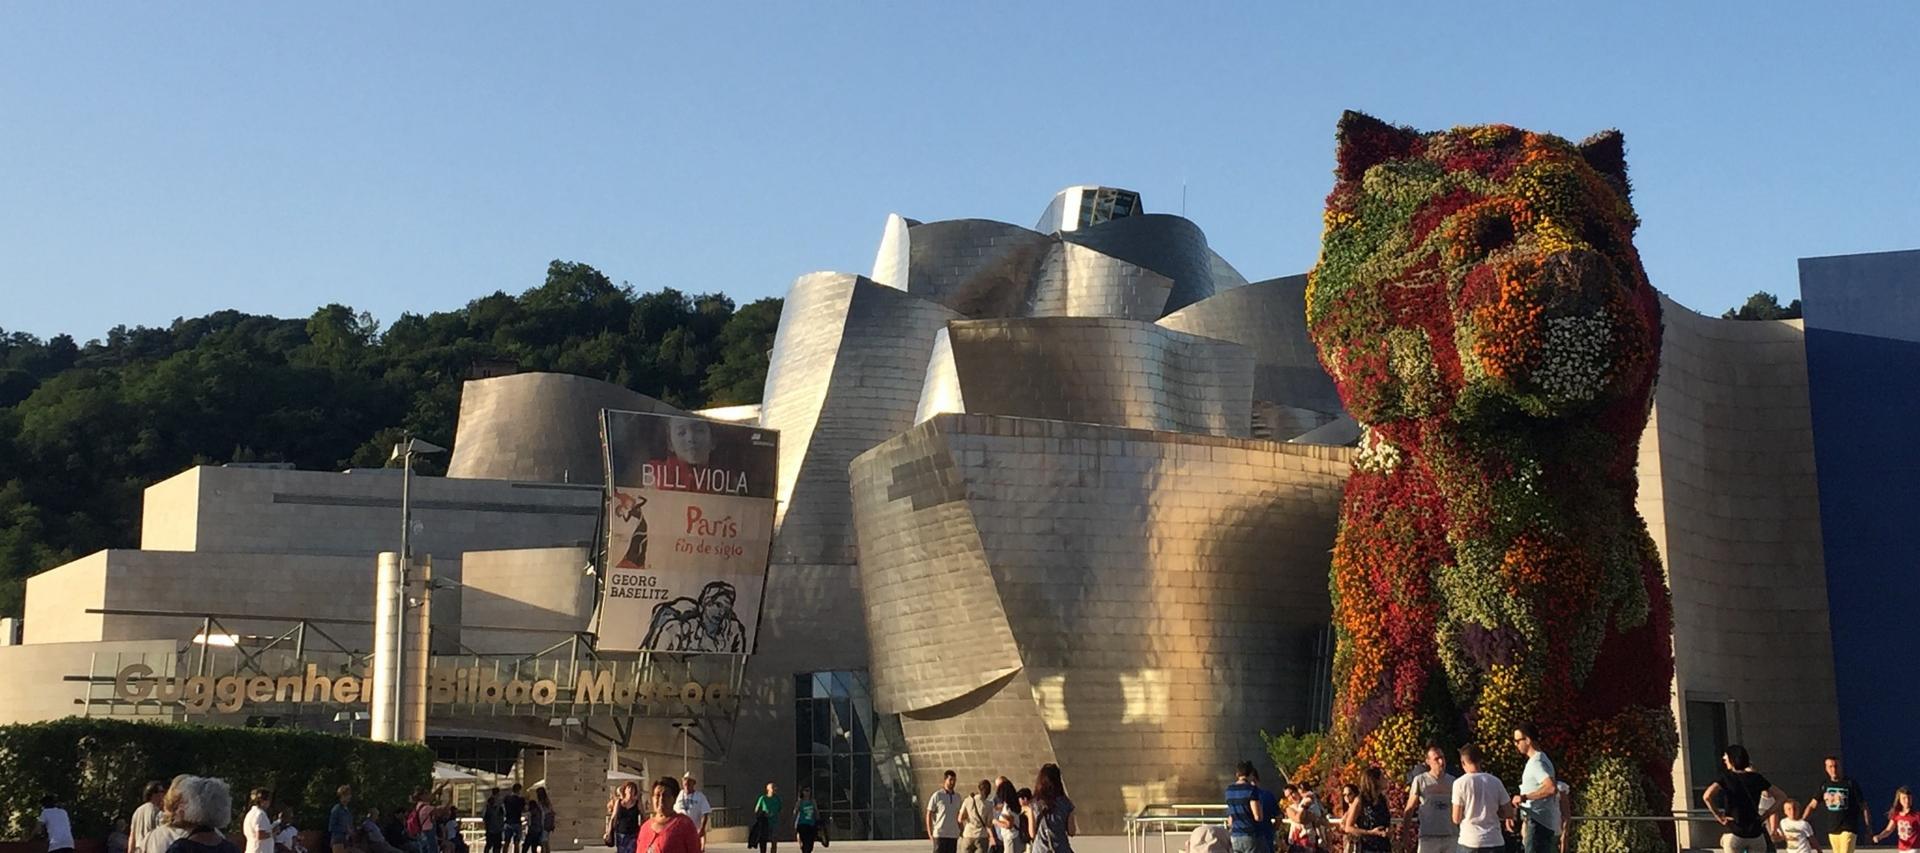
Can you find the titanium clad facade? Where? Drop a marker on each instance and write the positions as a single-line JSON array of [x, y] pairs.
[[1135, 605], [1094, 370], [1270, 318], [892, 262], [966, 263], [845, 374], [538, 427], [940, 391], [1169, 245], [1075, 281], [1225, 276]]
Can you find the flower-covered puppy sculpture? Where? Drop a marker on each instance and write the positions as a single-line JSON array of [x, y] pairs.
[[1480, 305]]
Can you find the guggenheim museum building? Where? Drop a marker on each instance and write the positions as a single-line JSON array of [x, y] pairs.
[[1061, 493]]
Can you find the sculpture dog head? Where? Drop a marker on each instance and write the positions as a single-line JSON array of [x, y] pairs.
[[1481, 274]]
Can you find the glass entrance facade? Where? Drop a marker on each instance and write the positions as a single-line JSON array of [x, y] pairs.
[[854, 760]]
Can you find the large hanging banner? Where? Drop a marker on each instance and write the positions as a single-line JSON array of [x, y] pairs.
[[690, 523]]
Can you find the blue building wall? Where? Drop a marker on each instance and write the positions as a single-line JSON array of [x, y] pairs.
[[1863, 372]]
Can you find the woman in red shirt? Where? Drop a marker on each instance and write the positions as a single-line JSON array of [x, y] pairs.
[[1903, 821], [667, 831]]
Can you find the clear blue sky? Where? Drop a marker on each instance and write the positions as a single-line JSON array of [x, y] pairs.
[[159, 160]]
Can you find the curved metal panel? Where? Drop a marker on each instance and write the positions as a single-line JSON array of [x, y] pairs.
[[892, 263], [1269, 318], [1225, 277], [1123, 373], [1075, 281], [1159, 590], [1169, 245], [806, 345], [946, 257], [538, 427], [940, 391], [935, 590]]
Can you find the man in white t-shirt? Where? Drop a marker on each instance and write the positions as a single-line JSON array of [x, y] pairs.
[[693, 803], [257, 826], [147, 818], [943, 816], [55, 823], [1479, 804], [1430, 796]]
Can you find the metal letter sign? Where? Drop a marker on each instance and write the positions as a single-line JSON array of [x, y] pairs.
[[690, 523]]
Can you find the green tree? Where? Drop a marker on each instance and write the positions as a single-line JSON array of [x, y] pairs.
[[739, 373], [85, 428], [1764, 306]]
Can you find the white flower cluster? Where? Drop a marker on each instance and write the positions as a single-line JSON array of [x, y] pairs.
[[1574, 363], [1375, 455]]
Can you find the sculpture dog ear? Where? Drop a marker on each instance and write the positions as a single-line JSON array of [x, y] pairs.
[[1606, 152], [1365, 141]]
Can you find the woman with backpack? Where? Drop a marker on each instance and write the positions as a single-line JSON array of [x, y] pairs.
[[540, 822], [1050, 813], [420, 824]]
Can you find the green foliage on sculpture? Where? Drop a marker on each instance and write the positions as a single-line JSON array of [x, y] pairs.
[[1480, 305], [1290, 750]]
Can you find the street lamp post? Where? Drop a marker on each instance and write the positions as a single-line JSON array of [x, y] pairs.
[[404, 453]]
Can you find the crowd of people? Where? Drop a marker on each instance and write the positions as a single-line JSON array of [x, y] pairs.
[[1475, 812], [673, 820], [1758, 816], [996, 817], [1471, 812], [191, 814]]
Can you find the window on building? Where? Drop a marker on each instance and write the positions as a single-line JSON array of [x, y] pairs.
[[1710, 727], [854, 760]]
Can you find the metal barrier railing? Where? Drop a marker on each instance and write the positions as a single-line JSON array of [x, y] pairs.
[[1168, 818]]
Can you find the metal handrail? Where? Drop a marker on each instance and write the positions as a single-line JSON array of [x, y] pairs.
[[1168, 817]]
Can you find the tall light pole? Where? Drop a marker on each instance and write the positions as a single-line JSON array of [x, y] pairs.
[[404, 453]]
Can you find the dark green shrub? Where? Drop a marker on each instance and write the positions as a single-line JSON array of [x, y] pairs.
[[97, 767]]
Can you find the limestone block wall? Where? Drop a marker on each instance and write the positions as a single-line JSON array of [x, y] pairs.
[[524, 599], [1728, 489], [57, 600], [35, 687], [264, 511], [1137, 605], [170, 513], [277, 589]]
